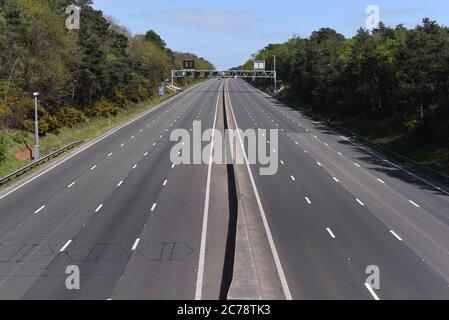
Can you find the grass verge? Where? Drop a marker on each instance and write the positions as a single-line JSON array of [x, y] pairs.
[[89, 130]]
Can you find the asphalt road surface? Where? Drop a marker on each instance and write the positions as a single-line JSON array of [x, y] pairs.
[[119, 211], [335, 209], [134, 223]]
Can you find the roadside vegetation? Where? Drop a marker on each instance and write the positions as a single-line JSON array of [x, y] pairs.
[[89, 80], [390, 85]]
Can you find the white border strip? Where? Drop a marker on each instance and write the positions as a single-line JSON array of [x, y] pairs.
[[200, 276], [277, 261]]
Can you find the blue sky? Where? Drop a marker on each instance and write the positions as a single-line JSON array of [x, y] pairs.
[[228, 32]]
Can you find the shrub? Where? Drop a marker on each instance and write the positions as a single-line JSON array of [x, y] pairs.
[[28, 125], [120, 98], [143, 93], [4, 113], [3, 146], [412, 124], [16, 108], [68, 116], [103, 108], [52, 123]]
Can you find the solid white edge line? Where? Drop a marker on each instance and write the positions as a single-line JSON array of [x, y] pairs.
[[65, 246], [202, 257], [277, 260], [101, 138], [136, 243], [373, 293]]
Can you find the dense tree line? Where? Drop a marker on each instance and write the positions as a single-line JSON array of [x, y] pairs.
[[82, 73], [395, 75]]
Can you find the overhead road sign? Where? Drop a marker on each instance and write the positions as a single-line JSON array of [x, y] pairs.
[[188, 64], [259, 65]]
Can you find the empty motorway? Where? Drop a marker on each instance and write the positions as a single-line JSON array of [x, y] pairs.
[[119, 210], [140, 227], [336, 208]]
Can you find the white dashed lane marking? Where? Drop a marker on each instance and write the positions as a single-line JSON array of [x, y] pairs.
[[415, 204], [65, 246], [396, 235], [136, 243], [371, 290], [331, 233], [39, 210], [153, 207]]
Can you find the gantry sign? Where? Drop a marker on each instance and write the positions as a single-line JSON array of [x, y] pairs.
[[224, 74], [258, 73]]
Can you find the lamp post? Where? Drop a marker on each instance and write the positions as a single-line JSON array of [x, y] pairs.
[[275, 74], [37, 148]]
